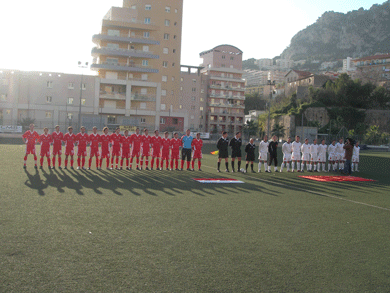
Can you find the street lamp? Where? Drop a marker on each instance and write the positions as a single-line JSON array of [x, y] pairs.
[[81, 65], [270, 83]]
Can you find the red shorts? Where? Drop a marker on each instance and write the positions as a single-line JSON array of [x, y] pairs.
[[57, 150], [125, 153], [82, 151], [146, 152], [175, 154], [69, 151], [45, 151], [165, 155], [116, 152], [30, 149], [93, 152], [105, 153], [135, 152], [156, 153], [197, 155]]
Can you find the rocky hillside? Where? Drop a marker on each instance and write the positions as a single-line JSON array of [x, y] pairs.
[[338, 35]]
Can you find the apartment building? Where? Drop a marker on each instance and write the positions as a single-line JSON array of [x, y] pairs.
[[374, 69], [225, 88], [50, 98], [254, 77], [264, 63], [137, 58]]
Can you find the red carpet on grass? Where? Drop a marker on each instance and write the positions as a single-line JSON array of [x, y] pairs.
[[335, 178]]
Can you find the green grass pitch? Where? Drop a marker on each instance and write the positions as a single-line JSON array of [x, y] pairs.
[[160, 231]]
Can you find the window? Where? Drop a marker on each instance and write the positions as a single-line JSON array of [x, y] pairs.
[[202, 91], [113, 46], [194, 89], [133, 6], [111, 119], [181, 88], [201, 99], [193, 98], [147, 20], [174, 37], [167, 22], [143, 120], [173, 64], [165, 50], [133, 19], [162, 120], [166, 36], [70, 101], [181, 79], [3, 97], [180, 106], [112, 61], [167, 9], [70, 116], [145, 48], [201, 108], [164, 92], [71, 85], [146, 35], [165, 64], [175, 121], [164, 78], [83, 101], [144, 91], [173, 78], [83, 86], [49, 99], [223, 56], [163, 106], [231, 58], [8, 112], [148, 7], [48, 115], [175, 24], [145, 62], [175, 10], [115, 33], [142, 106], [49, 84], [174, 50], [144, 77], [192, 117]]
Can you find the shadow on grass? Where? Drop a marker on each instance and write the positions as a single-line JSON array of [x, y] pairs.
[[138, 183]]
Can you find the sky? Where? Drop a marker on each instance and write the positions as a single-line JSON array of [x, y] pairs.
[[48, 35]]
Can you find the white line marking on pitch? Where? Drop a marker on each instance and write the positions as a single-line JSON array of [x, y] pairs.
[[315, 192]]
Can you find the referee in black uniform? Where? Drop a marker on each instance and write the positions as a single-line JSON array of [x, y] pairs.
[[235, 144], [250, 154], [223, 152], [273, 154]]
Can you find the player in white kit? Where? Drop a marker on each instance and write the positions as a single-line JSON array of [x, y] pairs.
[[340, 152], [263, 154], [305, 149], [355, 157], [296, 154], [287, 150], [332, 156], [313, 156], [322, 156]]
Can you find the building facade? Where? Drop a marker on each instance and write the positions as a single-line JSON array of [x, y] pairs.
[[374, 69], [225, 89]]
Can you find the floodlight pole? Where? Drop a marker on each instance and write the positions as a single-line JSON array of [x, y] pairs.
[[81, 65]]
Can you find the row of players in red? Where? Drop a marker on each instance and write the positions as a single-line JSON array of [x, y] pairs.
[[114, 146]]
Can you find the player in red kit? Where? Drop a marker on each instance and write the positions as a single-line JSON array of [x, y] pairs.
[[166, 147], [175, 153], [116, 139], [70, 139], [82, 139], [135, 147], [145, 143], [94, 140], [45, 140], [156, 150], [105, 140], [197, 145], [29, 138], [58, 137], [126, 141]]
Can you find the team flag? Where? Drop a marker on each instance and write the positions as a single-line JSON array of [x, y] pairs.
[[217, 180], [215, 153], [335, 178]]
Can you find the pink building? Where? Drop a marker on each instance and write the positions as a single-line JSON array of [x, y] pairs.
[[225, 89]]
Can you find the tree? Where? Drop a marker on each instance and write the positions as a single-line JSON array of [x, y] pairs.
[[278, 130], [251, 128]]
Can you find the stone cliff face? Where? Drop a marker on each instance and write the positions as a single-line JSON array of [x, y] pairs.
[[338, 35]]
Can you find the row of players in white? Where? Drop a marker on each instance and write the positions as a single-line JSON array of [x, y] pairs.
[[314, 155]]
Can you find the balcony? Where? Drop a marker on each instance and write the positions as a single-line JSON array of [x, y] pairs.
[[143, 98], [123, 39], [112, 96], [123, 53], [216, 77], [122, 67], [136, 25], [226, 88], [225, 105]]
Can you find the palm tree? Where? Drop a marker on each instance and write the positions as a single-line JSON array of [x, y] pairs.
[[278, 130]]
